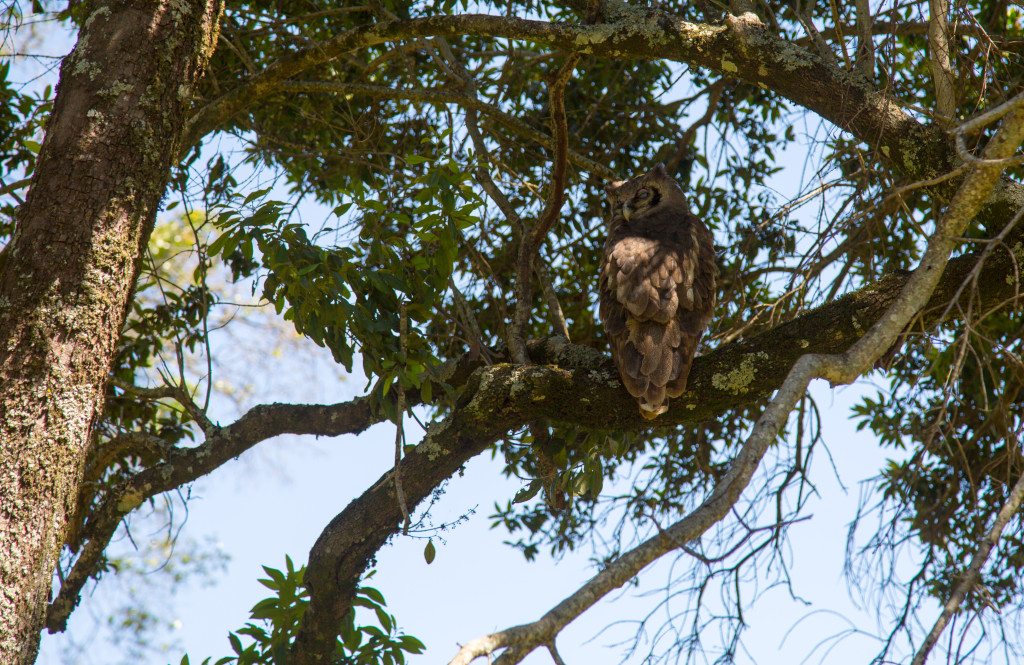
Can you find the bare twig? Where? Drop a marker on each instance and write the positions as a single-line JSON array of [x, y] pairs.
[[14, 186], [842, 368], [498, 197], [839, 33], [532, 240], [180, 395], [441, 96], [970, 577], [714, 92], [403, 333], [472, 326]]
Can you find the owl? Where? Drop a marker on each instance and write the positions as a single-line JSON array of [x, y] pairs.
[[657, 286]]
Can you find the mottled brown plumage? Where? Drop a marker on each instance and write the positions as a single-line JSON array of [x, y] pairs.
[[657, 286]]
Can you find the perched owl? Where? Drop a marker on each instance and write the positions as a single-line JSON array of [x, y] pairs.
[[657, 286]]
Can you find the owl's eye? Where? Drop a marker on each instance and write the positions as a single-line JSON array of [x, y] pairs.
[[643, 194]]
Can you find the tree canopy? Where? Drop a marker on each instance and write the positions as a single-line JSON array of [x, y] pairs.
[[417, 188]]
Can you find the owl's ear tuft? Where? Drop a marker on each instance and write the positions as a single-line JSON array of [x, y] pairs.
[[660, 170]]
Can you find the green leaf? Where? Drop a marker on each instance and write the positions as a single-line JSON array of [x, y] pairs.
[[429, 552], [384, 619], [411, 644], [258, 194], [528, 492]]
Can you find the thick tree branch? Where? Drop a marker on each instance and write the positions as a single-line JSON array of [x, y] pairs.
[[570, 383], [180, 466], [743, 48], [185, 465], [576, 384], [844, 367]]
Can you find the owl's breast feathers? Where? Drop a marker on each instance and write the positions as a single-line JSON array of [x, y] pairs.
[[657, 294]]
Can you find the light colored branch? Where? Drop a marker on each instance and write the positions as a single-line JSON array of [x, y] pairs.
[[519, 641], [14, 186], [939, 60], [865, 53], [973, 573], [742, 49], [982, 120]]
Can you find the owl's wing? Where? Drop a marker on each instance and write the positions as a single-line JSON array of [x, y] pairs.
[[656, 299], [639, 302]]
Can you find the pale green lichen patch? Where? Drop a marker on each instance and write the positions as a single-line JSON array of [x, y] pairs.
[[116, 89], [592, 35], [737, 380], [130, 501], [729, 67], [85, 68], [431, 446], [803, 343], [794, 58]]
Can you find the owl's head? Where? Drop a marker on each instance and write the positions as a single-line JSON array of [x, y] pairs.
[[640, 196]]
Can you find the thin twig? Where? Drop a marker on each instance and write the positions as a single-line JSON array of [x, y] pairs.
[[973, 572], [531, 241], [403, 333], [472, 326], [179, 394], [838, 369]]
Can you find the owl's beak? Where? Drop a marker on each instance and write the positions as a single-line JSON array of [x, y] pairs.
[[627, 211]]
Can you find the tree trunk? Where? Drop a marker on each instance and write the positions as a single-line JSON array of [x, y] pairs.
[[67, 275]]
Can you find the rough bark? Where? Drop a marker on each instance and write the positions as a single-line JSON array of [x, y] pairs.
[[69, 270], [577, 384]]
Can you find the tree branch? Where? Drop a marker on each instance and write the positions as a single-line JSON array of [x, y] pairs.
[[742, 48], [971, 576], [838, 368], [939, 60], [443, 97], [185, 465], [532, 240]]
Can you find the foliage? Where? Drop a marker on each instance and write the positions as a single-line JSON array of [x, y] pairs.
[[277, 619], [351, 191]]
